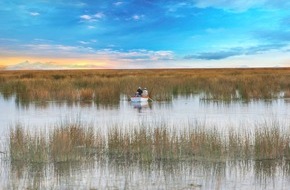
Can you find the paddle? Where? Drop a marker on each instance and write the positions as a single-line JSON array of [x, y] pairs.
[[151, 99]]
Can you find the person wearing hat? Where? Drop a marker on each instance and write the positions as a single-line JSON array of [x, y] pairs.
[[140, 91], [145, 92]]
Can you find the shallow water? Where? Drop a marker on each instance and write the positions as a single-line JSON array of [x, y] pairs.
[[120, 175], [180, 109], [114, 174]]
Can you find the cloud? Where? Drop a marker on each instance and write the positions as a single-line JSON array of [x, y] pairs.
[[81, 54], [136, 55], [93, 18], [27, 65], [241, 5], [236, 51], [87, 42], [86, 17], [56, 49], [34, 13], [273, 35], [99, 15], [212, 55], [84, 42], [118, 3], [227, 4], [137, 17], [79, 51]]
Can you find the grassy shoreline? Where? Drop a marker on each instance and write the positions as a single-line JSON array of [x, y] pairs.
[[105, 86]]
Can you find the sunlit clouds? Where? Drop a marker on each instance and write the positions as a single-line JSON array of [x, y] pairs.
[[144, 34]]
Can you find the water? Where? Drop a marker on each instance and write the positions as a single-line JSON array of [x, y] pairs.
[[180, 109], [112, 174]]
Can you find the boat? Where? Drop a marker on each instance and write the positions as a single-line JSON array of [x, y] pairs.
[[139, 105], [139, 99]]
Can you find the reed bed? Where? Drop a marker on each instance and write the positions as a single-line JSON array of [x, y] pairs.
[[106, 86], [75, 142], [70, 143]]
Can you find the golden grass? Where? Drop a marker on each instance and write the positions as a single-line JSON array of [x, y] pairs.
[[26, 147], [70, 143], [75, 142], [106, 86]]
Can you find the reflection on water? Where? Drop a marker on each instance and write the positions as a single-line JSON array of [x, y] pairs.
[[109, 173], [139, 106], [114, 174], [190, 108]]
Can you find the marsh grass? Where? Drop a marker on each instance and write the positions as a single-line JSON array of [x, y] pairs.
[[75, 142], [64, 144], [106, 86], [26, 147], [72, 143]]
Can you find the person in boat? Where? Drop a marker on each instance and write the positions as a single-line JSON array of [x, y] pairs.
[[145, 92], [140, 91]]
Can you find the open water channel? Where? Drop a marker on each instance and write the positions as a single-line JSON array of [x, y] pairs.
[[117, 175]]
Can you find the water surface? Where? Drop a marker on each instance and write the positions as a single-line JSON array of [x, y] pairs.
[[180, 109], [114, 174]]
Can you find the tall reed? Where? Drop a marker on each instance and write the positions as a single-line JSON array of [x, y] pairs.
[[72, 143], [24, 146], [106, 86], [76, 142]]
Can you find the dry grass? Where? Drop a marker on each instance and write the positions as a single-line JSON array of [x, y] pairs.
[[75, 142], [26, 147], [70, 143], [105, 86]]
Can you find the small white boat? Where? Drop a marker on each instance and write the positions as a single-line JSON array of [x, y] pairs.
[[139, 105], [139, 99]]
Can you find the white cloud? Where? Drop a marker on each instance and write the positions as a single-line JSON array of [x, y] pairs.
[[141, 58], [93, 18], [99, 15], [34, 13], [86, 17], [118, 3], [87, 42], [82, 51], [26, 65], [84, 42], [241, 5], [54, 50], [136, 55], [227, 4], [137, 17]]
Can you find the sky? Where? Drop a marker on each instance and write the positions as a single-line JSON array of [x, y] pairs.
[[133, 34]]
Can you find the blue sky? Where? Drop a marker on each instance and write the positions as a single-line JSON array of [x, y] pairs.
[[47, 34]]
